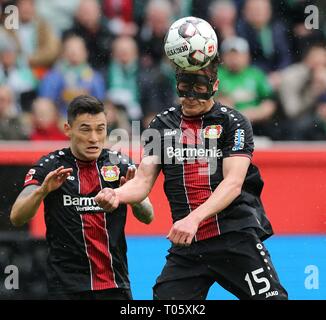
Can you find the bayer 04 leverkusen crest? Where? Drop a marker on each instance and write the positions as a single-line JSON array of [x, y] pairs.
[[213, 131], [110, 173]]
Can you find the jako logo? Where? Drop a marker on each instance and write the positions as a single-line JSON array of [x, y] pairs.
[[271, 294], [170, 133]]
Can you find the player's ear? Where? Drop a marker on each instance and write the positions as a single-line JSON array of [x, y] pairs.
[[215, 86], [67, 129]]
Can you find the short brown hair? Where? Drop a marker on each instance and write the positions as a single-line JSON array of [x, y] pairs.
[[211, 70]]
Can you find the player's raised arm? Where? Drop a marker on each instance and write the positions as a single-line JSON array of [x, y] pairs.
[[143, 211], [135, 190], [29, 200], [234, 173]]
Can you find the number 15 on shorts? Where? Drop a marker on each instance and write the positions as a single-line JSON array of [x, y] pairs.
[[253, 278]]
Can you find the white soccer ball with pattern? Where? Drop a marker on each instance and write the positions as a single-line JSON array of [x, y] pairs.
[[191, 43]]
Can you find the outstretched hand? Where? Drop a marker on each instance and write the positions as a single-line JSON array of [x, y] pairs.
[[55, 179]]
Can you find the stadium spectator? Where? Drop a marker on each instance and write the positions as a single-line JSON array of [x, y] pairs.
[[11, 125], [223, 17], [302, 37], [200, 8], [15, 74], [87, 247], [117, 117], [157, 89], [122, 76], [72, 76], [93, 28], [59, 13], [38, 44], [303, 82], [267, 38], [313, 127], [45, 121], [245, 87], [180, 8], [219, 220], [120, 17], [151, 35]]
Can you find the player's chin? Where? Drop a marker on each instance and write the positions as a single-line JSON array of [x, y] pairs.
[[191, 110], [92, 154]]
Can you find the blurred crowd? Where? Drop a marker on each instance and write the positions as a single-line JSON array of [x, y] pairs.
[[273, 67]]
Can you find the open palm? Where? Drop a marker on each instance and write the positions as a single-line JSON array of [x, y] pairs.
[[55, 179]]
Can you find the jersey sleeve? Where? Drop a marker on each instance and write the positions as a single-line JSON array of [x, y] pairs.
[[125, 163], [37, 173], [238, 136], [153, 139]]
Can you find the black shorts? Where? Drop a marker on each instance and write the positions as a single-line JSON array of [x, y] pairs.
[[108, 294], [238, 261]]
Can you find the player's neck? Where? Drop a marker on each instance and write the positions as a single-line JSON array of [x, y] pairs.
[[80, 159]]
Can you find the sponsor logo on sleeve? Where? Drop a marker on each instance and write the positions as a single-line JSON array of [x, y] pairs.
[[29, 175], [110, 173], [239, 139]]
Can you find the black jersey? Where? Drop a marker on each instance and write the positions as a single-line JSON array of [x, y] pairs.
[[191, 154], [87, 246]]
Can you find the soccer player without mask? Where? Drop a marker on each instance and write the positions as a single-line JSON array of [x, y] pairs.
[[219, 222], [87, 247]]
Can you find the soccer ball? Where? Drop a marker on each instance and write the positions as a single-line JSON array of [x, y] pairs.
[[191, 43]]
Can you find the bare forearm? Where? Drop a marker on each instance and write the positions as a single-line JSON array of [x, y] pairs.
[[26, 207], [234, 173], [143, 211], [133, 191], [222, 197]]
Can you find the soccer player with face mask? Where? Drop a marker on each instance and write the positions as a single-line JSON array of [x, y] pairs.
[[204, 150]]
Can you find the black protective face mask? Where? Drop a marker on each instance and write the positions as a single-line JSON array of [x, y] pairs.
[[191, 80]]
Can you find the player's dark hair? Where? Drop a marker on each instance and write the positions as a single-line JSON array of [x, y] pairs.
[[211, 70], [84, 104]]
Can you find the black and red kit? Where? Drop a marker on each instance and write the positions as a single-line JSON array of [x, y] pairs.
[[87, 246], [227, 247]]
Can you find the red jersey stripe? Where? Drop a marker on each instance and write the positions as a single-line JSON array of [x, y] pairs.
[[197, 178], [95, 232]]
